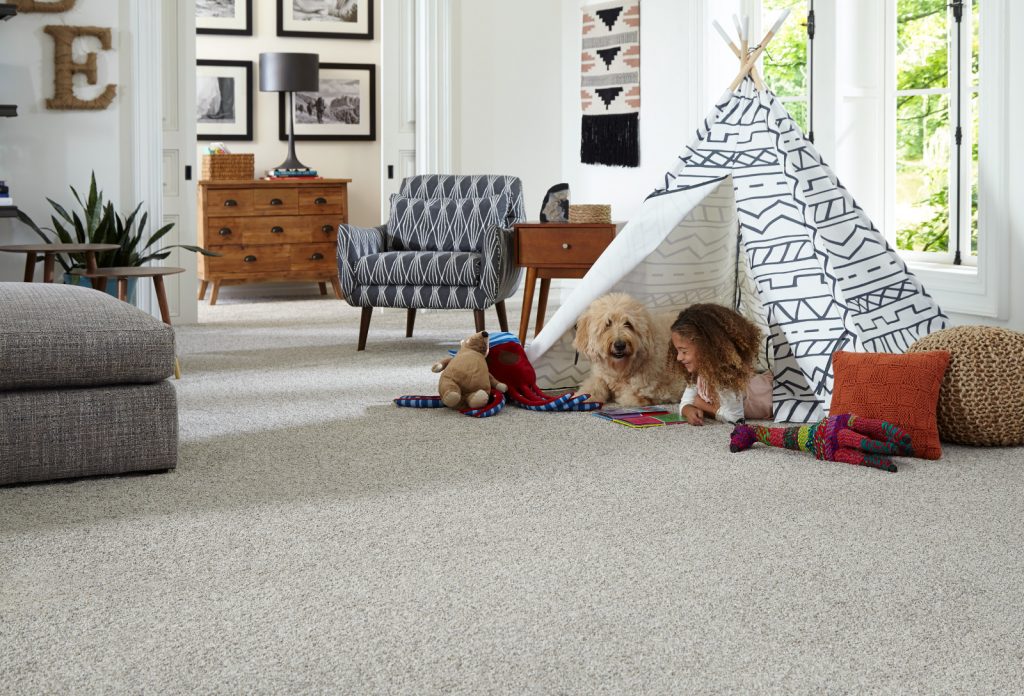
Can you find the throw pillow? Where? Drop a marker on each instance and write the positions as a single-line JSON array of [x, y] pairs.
[[902, 389], [442, 224]]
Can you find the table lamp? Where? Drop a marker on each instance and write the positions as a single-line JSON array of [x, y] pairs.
[[291, 73]]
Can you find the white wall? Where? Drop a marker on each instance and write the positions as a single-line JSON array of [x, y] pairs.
[[508, 94], [356, 160], [42, 152]]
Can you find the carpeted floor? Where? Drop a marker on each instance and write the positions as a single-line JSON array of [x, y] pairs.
[[317, 539]]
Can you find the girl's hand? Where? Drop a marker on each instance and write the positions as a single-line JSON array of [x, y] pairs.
[[693, 415]]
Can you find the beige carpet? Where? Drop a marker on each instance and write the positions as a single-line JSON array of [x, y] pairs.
[[317, 539]]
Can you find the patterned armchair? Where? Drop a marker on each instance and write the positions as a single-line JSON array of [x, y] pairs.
[[447, 245]]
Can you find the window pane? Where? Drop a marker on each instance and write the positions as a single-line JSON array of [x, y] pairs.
[[922, 172], [798, 110], [921, 58], [974, 173], [785, 59]]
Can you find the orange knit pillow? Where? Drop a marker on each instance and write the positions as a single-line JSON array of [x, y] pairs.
[[902, 389]]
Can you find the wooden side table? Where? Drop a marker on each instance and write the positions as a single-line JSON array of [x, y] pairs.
[[50, 251], [555, 250]]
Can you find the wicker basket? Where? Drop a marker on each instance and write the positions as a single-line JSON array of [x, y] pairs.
[[226, 167], [590, 214]]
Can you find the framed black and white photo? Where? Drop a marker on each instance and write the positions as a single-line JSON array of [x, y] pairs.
[[224, 99], [224, 17], [344, 108], [325, 19]]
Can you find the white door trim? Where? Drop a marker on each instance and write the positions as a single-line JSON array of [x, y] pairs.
[[434, 82], [145, 116]]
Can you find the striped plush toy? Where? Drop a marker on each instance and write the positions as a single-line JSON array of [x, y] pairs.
[[842, 438]]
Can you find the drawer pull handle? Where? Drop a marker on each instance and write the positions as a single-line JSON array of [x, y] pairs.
[[276, 201], [231, 203], [224, 231], [277, 230], [317, 257], [566, 245], [326, 229], [250, 259], [320, 201]]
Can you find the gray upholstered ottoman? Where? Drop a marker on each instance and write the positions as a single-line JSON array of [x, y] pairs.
[[83, 385]]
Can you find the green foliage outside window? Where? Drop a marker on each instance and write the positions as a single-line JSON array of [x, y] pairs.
[[923, 128]]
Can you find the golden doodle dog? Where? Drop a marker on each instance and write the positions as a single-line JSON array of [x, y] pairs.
[[632, 362]]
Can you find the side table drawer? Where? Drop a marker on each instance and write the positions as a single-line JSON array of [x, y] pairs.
[[561, 248]]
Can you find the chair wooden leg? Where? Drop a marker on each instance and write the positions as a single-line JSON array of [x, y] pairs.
[[499, 307], [323, 287], [478, 317], [364, 327], [410, 321]]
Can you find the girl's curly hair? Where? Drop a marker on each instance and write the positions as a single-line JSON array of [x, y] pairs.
[[727, 345]]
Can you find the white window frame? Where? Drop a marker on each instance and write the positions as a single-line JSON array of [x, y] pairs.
[[892, 94], [978, 287]]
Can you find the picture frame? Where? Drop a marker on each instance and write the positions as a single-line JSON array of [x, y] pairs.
[[325, 19], [230, 17], [348, 110], [224, 107]]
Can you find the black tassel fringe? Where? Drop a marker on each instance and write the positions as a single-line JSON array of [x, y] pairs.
[[613, 139]]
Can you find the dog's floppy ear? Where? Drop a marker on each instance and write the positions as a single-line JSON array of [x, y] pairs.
[[581, 341]]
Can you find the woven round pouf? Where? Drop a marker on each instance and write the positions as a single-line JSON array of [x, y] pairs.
[[981, 401]]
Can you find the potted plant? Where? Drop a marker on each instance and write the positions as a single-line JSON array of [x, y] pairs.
[[100, 223]]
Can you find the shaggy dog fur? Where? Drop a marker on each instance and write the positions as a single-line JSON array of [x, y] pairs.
[[632, 362]]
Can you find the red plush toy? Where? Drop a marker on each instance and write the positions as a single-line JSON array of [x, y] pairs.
[[507, 361]]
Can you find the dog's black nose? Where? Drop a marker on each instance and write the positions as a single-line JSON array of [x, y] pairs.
[[619, 346]]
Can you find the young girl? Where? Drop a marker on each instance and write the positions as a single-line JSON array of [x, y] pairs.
[[718, 347]]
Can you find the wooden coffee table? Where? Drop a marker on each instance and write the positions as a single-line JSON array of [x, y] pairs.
[[50, 251], [555, 250]]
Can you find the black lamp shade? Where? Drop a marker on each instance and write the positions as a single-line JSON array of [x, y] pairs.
[[289, 72]]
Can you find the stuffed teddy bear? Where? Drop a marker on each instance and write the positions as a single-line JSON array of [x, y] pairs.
[[465, 380]]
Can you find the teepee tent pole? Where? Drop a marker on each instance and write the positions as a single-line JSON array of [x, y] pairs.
[[738, 53], [751, 60]]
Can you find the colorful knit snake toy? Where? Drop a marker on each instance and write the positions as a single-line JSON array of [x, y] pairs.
[[507, 361], [841, 438]]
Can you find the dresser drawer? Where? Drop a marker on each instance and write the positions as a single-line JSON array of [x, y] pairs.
[[317, 258], [323, 228], [229, 202], [223, 230], [276, 230], [578, 246], [248, 259], [322, 201], [276, 201]]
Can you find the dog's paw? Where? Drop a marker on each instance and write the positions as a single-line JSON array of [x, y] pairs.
[[437, 367]]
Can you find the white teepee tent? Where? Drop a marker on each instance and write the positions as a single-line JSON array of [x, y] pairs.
[[751, 217]]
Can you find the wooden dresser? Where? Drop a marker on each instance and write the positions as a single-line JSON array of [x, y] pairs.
[[270, 230]]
